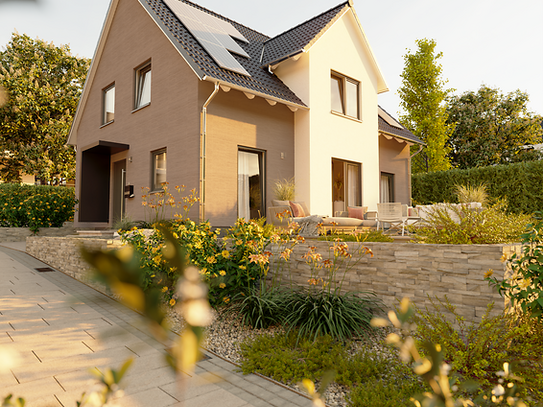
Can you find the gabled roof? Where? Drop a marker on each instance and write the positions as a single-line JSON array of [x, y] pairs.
[[262, 50], [298, 39], [390, 126]]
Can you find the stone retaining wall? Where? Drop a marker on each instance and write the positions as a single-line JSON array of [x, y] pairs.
[[64, 254], [417, 271], [20, 234], [395, 270]]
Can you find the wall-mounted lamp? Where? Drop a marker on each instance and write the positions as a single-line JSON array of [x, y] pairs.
[[129, 159]]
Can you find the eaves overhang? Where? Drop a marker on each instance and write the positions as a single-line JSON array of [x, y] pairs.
[[293, 106], [403, 139]]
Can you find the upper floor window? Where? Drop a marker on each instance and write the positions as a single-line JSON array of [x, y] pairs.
[[345, 96], [158, 176], [143, 86], [108, 113]]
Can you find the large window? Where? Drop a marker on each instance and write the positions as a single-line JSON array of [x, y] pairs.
[[158, 175], [108, 113], [251, 187], [143, 86], [345, 95], [346, 184]]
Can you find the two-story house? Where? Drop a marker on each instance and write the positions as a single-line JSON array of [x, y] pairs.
[[178, 93]]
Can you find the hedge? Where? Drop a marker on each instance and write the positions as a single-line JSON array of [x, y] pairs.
[[520, 183], [35, 206]]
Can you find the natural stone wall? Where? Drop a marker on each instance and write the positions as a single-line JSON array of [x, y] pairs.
[[20, 234], [64, 254], [396, 270], [417, 271]]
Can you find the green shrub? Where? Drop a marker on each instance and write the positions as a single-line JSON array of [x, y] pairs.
[[477, 352], [489, 225], [229, 267], [359, 236], [379, 393], [35, 206], [524, 287], [318, 312], [259, 307], [519, 183], [368, 372]]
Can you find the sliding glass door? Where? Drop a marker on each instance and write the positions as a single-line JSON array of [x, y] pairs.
[[251, 197]]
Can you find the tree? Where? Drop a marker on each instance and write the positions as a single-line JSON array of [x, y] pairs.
[[43, 84], [492, 128], [422, 97]]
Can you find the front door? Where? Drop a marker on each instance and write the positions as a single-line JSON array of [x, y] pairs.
[[119, 181]]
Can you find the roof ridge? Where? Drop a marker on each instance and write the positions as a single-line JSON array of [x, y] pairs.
[[213, 13], [307, 21]]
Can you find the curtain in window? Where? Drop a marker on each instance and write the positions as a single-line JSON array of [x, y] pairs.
[[353, 185], [385, 189], [244, 209]]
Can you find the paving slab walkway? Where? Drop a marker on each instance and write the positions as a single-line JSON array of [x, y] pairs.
[[61, 328]]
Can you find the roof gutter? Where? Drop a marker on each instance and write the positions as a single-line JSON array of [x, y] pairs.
[[203, 136], [421, 146]]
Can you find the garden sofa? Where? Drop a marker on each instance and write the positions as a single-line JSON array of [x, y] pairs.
[[282, 213]]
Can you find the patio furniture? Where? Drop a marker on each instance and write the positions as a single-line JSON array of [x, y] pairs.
[[391, 213]]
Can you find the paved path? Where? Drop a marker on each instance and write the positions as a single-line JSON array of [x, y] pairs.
[[61, 328]]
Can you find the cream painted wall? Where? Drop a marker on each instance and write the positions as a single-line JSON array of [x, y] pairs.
[[322, 135]]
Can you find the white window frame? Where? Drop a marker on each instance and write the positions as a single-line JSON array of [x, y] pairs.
[[108, 96], [143, 86]]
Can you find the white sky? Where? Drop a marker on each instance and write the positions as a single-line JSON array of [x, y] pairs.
[[494, 42]]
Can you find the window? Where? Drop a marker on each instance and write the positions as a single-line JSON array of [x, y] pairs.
[[251, 185], [158, 175], [143, 86], [346, 184], [387, 187], [345, 96], [109, 105]]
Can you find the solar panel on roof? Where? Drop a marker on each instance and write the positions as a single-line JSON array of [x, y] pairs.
[[213, 34]]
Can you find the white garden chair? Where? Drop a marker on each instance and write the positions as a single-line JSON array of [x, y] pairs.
[[392, 214]]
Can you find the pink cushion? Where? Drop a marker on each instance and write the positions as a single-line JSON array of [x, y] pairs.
[[297, 210], [356, 212]]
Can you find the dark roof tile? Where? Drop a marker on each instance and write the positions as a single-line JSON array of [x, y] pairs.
[[260, 80], [293, 41], [398, 130]]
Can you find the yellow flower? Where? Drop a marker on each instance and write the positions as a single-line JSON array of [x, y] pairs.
[[172, 302], [222, 285], [243, 267], [222, 273], [226, 300], [239, 242], [225, 254], [164, 289], [211, 259], [489, 273]]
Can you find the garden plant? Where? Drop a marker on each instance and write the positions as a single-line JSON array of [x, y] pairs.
[[523, 286]]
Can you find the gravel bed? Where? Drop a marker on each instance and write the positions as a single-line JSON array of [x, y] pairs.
[[225, 334]]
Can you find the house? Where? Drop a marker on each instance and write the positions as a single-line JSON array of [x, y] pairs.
[[178, 93]]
